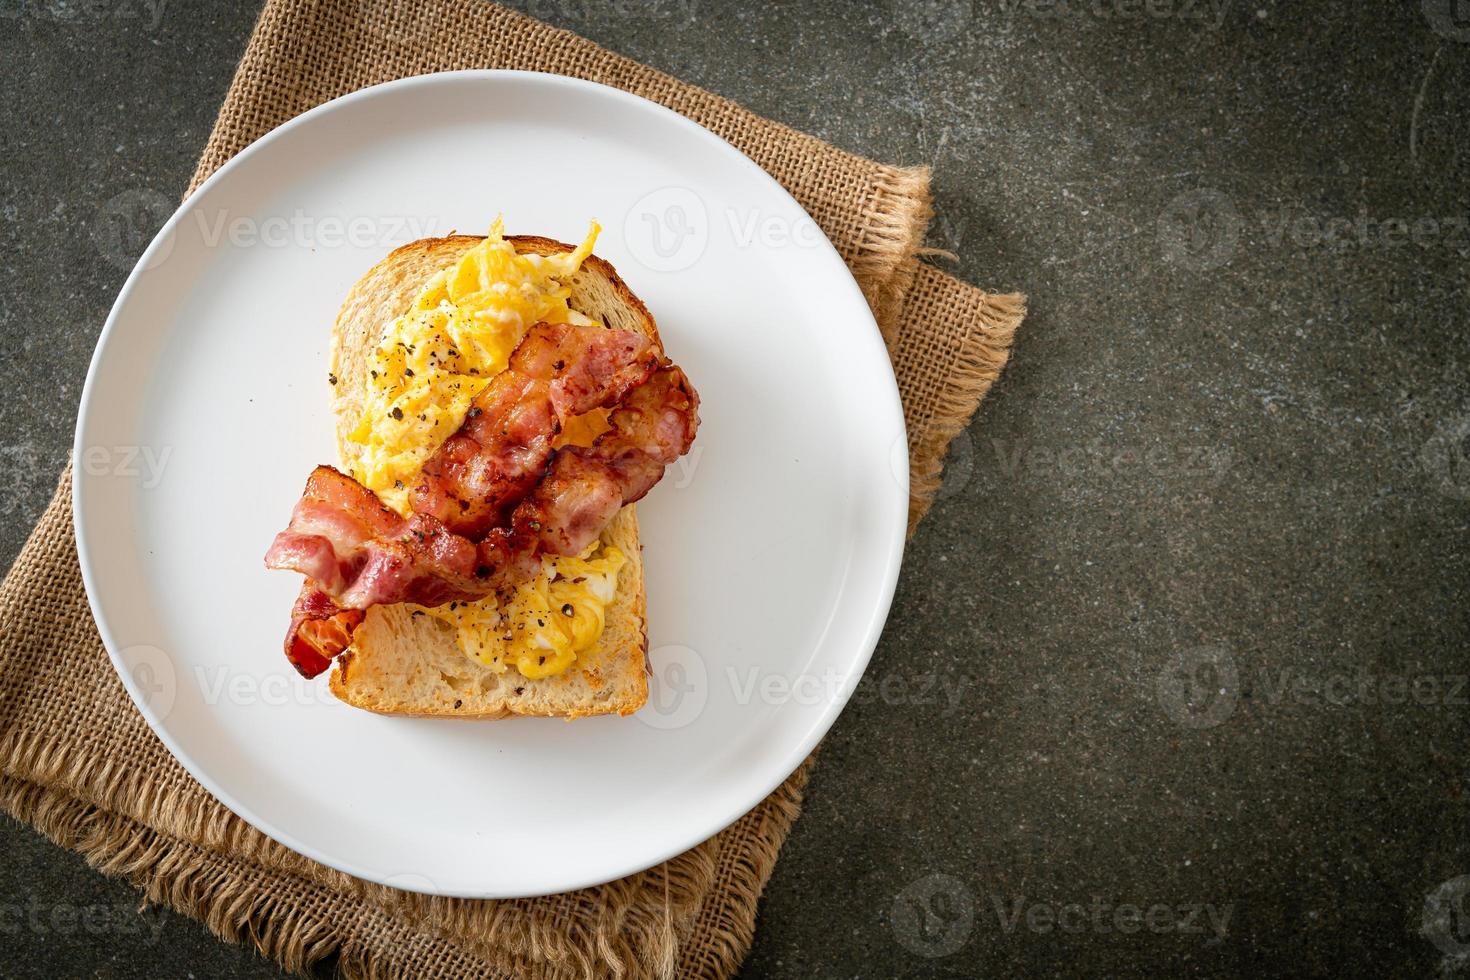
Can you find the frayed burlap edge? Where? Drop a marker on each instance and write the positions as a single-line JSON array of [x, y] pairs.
[[637, 929], [981, 355], [902, 208], [233, 897], [729, 930]]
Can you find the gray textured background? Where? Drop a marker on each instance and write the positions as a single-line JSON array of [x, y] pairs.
[[1197, 586]]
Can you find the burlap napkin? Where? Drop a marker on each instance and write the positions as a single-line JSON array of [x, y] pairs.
[[78, 762]]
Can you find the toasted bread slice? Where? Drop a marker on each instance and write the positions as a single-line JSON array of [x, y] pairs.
[[403, 664]]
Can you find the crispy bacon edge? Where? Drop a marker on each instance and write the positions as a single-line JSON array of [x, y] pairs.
[[319, 631]]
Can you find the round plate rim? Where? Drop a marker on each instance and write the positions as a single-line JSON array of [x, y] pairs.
[[792, 759]]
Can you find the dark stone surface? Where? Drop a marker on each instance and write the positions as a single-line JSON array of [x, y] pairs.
[[1198, 581]]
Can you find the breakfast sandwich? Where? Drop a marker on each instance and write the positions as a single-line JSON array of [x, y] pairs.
[[501, 403]]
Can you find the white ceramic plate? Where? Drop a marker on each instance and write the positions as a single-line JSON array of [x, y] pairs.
[[771, 551]]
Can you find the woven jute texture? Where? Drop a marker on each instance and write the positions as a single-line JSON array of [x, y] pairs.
[[78, 762]]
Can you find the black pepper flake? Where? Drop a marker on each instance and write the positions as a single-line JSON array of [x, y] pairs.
[[560, 364], [397, 484], [331, 379], [520, 690], [482, 572], [408, 372], [540, 622], [458, 704], [474, 413], [397, 414], [567, 610], [540, 661]]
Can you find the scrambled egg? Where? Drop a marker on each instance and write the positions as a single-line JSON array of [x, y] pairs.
[[544, 623], [427, 368]]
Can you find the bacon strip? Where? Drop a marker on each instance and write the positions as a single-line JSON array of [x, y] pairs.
[[357, 553], [585, 487], [319, 631], [474, 479]]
